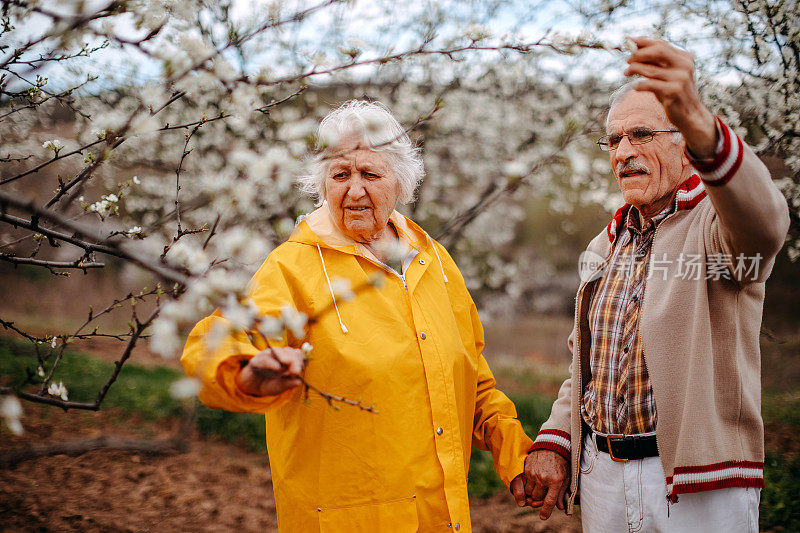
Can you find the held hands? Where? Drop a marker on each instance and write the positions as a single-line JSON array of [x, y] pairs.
[[544, 482], [669, 75], [271, 372]]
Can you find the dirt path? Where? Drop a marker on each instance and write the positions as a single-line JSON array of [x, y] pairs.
[[213, 486]]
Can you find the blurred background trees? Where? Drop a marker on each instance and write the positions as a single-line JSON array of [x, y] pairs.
[[149, 148], [148, 151]]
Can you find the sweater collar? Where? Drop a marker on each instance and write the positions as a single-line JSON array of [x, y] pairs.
[[689, 194]]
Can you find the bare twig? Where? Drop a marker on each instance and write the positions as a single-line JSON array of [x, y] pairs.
[[49, 162], [265, 109], [115, 249], [185, 153], [79, 263], [12, 327]]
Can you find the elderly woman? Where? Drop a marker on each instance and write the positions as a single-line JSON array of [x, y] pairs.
[[412, 348]]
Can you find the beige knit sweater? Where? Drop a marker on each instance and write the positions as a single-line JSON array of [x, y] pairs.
[[700, 323]]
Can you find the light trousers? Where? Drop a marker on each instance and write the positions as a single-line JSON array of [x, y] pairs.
[[632, 497]]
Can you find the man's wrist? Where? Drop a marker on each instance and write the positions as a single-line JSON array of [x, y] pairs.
[[702, 141]]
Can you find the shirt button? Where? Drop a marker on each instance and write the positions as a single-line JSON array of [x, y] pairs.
[[422, 335], [421, 261], [625, 350], [457, 526], [635, 298], [439, 431]]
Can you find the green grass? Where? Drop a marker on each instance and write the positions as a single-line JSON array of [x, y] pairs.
[[145, 390], [779, 506], [532, 410], [781, 407]]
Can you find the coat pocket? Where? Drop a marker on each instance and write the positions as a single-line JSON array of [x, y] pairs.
[[394, 515]]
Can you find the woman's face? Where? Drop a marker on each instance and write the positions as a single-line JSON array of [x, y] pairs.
[[361, 190]]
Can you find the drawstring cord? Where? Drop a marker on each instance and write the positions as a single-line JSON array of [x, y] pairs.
[[330, 288]]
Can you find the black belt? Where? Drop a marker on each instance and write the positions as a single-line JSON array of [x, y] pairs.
[[623, 448]]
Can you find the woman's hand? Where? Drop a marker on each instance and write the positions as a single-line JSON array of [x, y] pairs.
[[271, 372]]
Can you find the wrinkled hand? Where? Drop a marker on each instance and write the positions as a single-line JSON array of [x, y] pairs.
[[271, 372], [669, 75], [518, 490], [546, 481]]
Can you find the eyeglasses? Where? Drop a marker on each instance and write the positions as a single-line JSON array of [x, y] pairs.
[[635, 136]]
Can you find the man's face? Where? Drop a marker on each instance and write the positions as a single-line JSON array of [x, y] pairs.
[[648, 174], [361, 190]]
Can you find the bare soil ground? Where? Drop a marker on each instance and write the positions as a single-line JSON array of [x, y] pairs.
[[213, 486]]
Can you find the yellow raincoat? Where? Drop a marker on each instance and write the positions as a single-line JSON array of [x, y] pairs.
[[412, 348]]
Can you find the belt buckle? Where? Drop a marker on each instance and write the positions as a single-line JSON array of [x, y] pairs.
[[611, 451]]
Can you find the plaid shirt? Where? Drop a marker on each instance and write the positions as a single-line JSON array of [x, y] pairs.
[[619, 398]]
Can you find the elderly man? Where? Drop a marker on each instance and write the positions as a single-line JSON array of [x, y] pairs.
[[664, 394]]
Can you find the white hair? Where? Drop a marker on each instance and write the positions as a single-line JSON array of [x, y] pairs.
[[621, 92], [373, 124]]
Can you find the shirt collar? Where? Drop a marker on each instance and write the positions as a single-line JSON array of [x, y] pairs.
[[689, 194], [634, 223]]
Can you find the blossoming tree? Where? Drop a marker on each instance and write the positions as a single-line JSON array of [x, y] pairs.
[[183, 166]]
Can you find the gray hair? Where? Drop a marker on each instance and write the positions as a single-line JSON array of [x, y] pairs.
[[372, 123], [620, 93]]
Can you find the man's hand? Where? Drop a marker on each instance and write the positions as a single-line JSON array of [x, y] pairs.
[[669, 75], [546, 481], [271, 372], [518, 490]]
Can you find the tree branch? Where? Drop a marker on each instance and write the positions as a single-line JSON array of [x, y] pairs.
[[115, 249]]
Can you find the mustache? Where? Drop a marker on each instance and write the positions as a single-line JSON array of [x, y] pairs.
[[631, 166]]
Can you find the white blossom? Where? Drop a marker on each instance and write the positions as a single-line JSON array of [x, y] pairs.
[[223, 70], [294, 320], [153, 95], [515, 169], [196, 47], [11, 413], [342, 289], [184, 388], [477, 32], [240, 316], [243, 98], [111, 120], [55, 145], [393, 249], [107, 205], [58, 390], [242, 245], [219, 331], [186, 254], [135, 231], [629, 45], [164, 339], [270, 327]]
